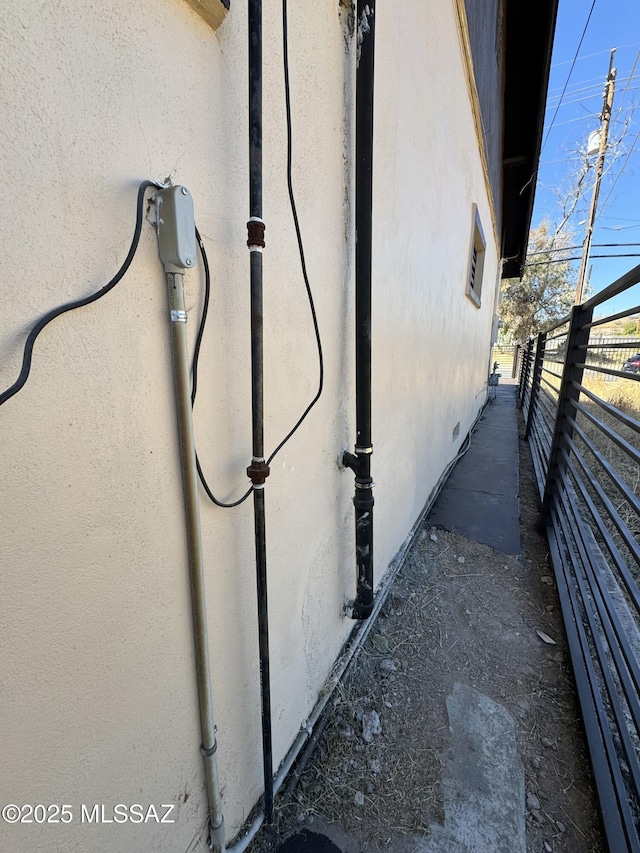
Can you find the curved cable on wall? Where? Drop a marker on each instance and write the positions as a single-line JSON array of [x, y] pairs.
[[303, 264], [20, 382]]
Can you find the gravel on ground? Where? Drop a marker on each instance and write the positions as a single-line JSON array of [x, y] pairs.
[[458, 613]]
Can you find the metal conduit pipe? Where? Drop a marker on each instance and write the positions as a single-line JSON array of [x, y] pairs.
[[182, 385], [360, 461], [258, 471]]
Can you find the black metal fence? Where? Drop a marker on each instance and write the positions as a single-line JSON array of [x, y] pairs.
[[581, 406]]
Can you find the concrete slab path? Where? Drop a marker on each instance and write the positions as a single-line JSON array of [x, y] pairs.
[[480, 498], [483, 785]]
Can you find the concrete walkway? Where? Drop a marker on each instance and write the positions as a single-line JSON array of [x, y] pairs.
[[483, 784], [480, 498]]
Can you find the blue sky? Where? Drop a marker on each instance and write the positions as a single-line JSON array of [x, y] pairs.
[[613, 23]]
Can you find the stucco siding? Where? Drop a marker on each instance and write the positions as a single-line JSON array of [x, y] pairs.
[[98, 701]]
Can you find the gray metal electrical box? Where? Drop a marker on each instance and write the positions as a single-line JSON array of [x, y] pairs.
[[176, 229]]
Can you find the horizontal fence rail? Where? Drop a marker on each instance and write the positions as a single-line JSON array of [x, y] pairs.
[[579, 390]]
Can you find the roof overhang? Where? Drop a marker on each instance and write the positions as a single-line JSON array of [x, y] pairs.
[[528, 43]]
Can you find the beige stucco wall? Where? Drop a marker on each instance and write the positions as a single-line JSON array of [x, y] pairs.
[[97, 697]]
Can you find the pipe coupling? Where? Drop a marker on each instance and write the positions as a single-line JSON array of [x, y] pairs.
[[255, 232], [208, 752], [217, 836], [258, 472]]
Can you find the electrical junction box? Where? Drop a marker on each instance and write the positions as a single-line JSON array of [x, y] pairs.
[[176, 229]]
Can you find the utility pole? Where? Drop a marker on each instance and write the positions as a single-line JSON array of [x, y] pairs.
[[605, 118]]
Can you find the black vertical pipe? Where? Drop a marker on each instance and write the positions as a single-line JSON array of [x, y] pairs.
[[255, 108], [258, 471], [360, 463], [364, 203]]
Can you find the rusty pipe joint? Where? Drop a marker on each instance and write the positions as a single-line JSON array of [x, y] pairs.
[[258, 472], [255, 234]]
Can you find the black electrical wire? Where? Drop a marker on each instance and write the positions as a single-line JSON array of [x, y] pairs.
[[78, 303], [294, 213], [194, 374], [207, 275]]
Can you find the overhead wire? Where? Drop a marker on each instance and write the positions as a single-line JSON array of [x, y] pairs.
[[593, 89], [622, 168], [546, 136], [616, 227], [594, 95], [629, 79], [597, 53], [594, 245], [592, 116], [579, 258], [584, 32]]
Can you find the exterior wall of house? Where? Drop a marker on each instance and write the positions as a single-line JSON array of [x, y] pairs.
[[98, 700]]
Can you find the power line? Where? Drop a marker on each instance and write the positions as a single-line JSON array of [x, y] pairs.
[[595, 246], [616, 227], [597, 93], [626, 88], [590, 116], [597, 53], [595, 90], [578, 258], [622, 168], [574, 158], [575, 58], [578, 86]]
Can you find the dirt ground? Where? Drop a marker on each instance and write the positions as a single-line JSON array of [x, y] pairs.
[[458, 612]]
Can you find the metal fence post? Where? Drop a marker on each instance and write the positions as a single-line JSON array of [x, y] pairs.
[[522, 354], [517, 362], [577, 336], [535, 382], [524, 371]]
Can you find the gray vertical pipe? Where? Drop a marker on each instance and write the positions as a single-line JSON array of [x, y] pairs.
[[182, 385]]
